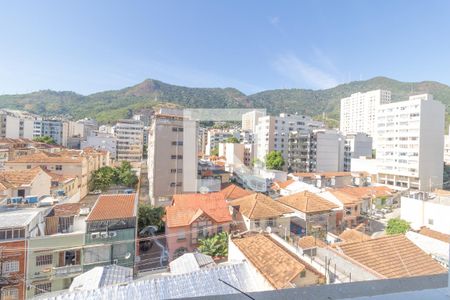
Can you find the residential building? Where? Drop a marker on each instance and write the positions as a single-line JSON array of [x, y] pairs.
[[257, 212], [324, 179], [145, 116], [192, 217], [57, 129], [16, 124], [172, 157], [272, 133], [55, 258], [102, 276], [202, 140], [313, 214], [250, 119], [217, 136], [280, 268], [111, 230], [358, 112], [85, 127], [432, 211], [130, 140], [234, 155], [101, 141], [249, 154], [360, 144], [63, 185], [447, 148], [433, 243], [316, 151], [23, 183], [232, 192], [410, 147]]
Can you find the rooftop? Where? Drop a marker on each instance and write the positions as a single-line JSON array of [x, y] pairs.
[[307, 202], [435, 234], [101, 276], [392, 257], [114, 206], [322, 174], [351, 195], [19, 217], [190, 262], [233, 191], [309, 241], [274, 262], [19, 178], [45, 157], [353, 235], [259, 206]]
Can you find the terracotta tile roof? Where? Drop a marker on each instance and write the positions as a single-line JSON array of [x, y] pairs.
[[345, 198], [305, 175], [307, 202], [58, 177], [392, 256], [435, 234], [5, 185], [277, 185], [19, 178], [324, 174], [277, 265], [45, 157], [233, 191], [66, 209], [259, 206], [186, 208], [308, 242], [353, 235], [114, 206]]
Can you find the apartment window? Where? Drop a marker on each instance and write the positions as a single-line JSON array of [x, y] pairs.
[[177, 143], [181, 235], [28, 166], [430, 222], [58, 167], [43, 260], [270, 222], [10, 266], [42, 288], [173, 170], [257, 223], [9, 294], [173, 184], [177, 129]]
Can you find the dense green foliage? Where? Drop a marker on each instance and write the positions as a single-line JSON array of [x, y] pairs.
[[274, 160], [397, 226], [215, 151], [110, 106], [45, 139], [232, 139], [150, 215], [105, 177], [215, 246]]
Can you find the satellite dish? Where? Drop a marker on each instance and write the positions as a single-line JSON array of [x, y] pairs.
[[269, 229], [127, 255]]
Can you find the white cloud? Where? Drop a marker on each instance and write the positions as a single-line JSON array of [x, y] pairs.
[[300, 72]]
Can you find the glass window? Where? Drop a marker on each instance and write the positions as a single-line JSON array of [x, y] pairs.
[[43, 260], [10, 266]]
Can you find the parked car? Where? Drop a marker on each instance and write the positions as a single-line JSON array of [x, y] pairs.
[[95, 192]]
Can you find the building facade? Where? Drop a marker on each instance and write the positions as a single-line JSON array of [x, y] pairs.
[[56, 129], [250, 119], [130, 140], [410, 143], [101, 141]]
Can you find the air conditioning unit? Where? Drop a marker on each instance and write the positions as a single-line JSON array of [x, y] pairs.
[[95, 235], [104, 235], [112, 234]]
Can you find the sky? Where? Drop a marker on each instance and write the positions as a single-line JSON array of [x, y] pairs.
[[91, 46]]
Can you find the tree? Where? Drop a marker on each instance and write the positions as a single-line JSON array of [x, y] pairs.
[[215, 246], [102, 178], [397, 226], [232, 140], [274, 160], [45, 139], [150, 215], [215, 152]]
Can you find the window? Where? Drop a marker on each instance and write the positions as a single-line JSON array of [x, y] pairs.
[[10, 266], [270, 222], [9, 294], [43, 288], [219, 229], [58, 167], [430, 222], [257, 223], [28, 166], [43, 260], [181, 235]]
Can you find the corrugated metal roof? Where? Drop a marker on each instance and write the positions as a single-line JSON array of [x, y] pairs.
[[191, 262], [100, 277]]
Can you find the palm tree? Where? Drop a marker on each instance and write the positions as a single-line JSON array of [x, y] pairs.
[[215, 246]]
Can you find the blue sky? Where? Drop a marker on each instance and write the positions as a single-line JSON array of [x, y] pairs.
[[90, 46]]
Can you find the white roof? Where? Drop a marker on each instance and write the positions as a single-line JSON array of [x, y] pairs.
[[204, 282], [434, 247], [190, 262], [101, 276], [18, 217], [300, 186]]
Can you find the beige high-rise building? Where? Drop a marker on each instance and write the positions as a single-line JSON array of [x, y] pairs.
[[172, 156], [250, 119], [130, 140]]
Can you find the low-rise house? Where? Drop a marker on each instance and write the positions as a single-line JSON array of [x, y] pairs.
[[257, 212], [325, 179], [309, 245], [392, 256], [22, 183], [63, 185], [55, 258], [353, 235], [313, 215], [291, 186], [278, 266], [192, 217], [433, 243], [232, 192], [111, 231], [17, 225]]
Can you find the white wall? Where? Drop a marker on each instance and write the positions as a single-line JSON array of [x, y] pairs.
[[419, 213]]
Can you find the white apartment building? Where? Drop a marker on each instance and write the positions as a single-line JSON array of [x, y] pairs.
[[360, 144], [410, 143], [54, 128], [234, 155], [272, 132], [101, 141], [16, 124], [172, 156], [358, 111], [447, 148], [250, 119], [130, 140], [317, 151], [216, 136]]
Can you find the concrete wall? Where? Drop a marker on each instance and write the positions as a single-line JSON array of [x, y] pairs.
[[419, 213]]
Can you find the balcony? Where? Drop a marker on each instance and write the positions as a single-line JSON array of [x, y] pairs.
[[66, 271]]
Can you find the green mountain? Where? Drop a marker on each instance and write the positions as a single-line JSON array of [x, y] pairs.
[[109, 106]]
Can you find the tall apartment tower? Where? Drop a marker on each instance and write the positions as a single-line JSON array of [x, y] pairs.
[[410, 143], [172, 156], [130, 140], [317, 151], [250, 119], [16, 124], [272, 133], [358, 112], [54, 128]]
